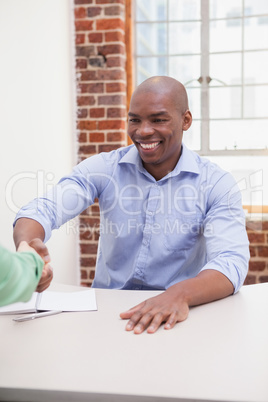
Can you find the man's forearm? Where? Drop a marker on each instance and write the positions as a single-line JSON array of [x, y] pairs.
[[27, 229], [207, 286]]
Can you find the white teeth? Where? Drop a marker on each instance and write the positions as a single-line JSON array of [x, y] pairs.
[[149, 146]]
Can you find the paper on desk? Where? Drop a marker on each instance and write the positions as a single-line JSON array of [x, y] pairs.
[[20, 307], [84, 300]]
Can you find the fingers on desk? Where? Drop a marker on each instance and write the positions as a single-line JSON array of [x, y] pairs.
[[152, 313]]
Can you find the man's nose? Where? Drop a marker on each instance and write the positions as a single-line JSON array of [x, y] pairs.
[[145, 128]]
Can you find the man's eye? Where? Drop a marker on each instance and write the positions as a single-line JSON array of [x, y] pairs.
[[134, 120], [159, 120]]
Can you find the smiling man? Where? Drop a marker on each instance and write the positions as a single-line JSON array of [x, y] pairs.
[[158, 115], [170, 220]]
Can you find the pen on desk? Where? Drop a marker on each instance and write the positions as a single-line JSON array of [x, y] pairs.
[[36, 315]]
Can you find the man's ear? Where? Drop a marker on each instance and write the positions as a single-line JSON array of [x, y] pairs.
[[187, 120]]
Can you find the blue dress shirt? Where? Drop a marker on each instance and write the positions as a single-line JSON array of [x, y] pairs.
[[153, 234]]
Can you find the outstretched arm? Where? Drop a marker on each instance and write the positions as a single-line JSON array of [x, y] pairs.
[[172, 306], [26, 230], [31, 231]]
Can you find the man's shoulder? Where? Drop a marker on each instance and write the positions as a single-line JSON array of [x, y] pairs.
[[207, 165], [117, 154], [211, 172], [104, 160]]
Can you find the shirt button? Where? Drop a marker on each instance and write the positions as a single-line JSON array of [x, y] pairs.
[[149, 213], [145, 242]]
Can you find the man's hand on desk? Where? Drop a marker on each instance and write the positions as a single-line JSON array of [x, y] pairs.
[[172, 305], [167, 307]]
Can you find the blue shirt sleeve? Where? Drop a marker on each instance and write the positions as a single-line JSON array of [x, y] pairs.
[[72, 195], [224, 230]]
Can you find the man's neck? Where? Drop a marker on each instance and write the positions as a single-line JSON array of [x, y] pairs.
[[160, 170], [157, 171]]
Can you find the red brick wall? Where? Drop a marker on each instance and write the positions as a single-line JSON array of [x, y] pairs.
[[258, 265], [101, 99]]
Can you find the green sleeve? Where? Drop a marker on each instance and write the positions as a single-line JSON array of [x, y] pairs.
[[19, 275]]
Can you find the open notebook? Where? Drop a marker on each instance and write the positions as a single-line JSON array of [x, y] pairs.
[[84, 300]]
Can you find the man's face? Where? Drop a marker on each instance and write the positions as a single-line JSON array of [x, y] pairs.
[[156, 127]]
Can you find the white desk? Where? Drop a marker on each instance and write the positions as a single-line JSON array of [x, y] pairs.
[[220, 353]]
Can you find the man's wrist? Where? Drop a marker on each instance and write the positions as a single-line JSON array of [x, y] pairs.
[[180, 292]]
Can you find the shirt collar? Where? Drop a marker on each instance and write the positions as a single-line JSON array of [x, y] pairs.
[[132, 156], [186, 163]]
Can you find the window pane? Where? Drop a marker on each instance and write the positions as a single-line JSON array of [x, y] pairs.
[[184, 37], [151, 10], [151, 39], [256, 101], [256, 33], [225, 68], [194, 96], [191, 137], [238, 134], [250, 173], [184, 10], [150, 66], [168, 42], [225, 8], [225, 102], [253, 7], [225, 37], [256, 67], [185, 68]]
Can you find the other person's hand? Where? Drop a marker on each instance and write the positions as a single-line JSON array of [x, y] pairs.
[[24, 246], [47, 274], [46, 278], [41, 249]]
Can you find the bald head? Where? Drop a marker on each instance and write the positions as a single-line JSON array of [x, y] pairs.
[[166, 86], [158, 116]]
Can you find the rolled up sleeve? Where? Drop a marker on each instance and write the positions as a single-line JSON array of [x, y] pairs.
[[225, 232]]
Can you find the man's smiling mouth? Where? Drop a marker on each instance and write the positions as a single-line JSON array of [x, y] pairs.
[[150, 145]]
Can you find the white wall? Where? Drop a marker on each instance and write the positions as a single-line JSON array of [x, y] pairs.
[[37, 134]]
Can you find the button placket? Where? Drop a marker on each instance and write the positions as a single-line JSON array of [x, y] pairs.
[[152, 204]]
